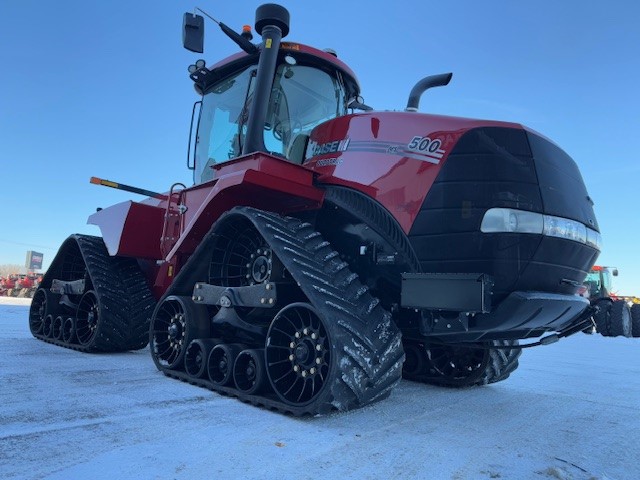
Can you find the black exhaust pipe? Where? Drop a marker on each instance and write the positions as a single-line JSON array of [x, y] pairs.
[[422, 86], [272, 22]]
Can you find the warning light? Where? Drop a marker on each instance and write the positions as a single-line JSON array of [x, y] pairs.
[[246, 32]]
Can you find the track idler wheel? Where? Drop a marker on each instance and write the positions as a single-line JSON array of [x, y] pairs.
[[44, 303], [69, 330], [175, 323], [57, 327], [196, 356], [298, 354], [47, 326], [88, 318], [249, 372], [221, 361]]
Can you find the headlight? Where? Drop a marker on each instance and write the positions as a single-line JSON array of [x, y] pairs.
[[509, 220]]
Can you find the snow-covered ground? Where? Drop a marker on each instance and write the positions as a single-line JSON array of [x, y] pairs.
[[571, 411]]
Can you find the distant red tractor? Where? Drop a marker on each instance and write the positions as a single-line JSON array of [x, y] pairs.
[[8, 285], [614, 317]]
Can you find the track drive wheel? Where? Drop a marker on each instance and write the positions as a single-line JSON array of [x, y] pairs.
[[44, 303], [301, 356], [175, 323]]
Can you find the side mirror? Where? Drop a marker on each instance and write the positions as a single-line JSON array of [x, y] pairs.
[[615, 272], [193, 32]]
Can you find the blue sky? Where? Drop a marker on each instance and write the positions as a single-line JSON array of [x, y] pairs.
[[101, 89]]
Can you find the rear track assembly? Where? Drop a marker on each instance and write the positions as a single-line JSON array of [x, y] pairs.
[[103, 303]]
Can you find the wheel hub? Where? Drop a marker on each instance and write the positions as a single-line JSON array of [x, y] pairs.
[[260, 266], [306, 353], [176, 331]]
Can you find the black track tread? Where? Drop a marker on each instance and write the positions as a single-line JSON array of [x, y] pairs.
[[365, 339], [500, 363], [617, 324], [125, 300]]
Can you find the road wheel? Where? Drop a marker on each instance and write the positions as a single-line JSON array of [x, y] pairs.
[[44, 303], [620, 319], [175, 323]]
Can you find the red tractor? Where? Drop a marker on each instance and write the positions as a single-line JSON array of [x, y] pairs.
[[325, 249], [614, 316], [26, 285], [8, 285]]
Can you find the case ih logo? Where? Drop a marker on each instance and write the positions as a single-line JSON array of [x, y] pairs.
[[329, 147]]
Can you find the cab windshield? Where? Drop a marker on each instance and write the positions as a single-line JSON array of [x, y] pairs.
[[302, 98]]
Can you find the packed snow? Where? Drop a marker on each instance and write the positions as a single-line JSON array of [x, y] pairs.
[[571, 411]]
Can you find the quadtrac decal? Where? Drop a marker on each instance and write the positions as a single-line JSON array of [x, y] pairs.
[[425, 146]]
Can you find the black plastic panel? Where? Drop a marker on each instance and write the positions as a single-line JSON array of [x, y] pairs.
[[561, 185], [494, 167]]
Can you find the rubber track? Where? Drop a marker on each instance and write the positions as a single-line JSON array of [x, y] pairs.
[[127, 302], [501, 363], [370, 343]]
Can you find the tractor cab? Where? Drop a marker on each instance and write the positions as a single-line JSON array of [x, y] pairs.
[[265, 99], [303, 96], [599, 281]]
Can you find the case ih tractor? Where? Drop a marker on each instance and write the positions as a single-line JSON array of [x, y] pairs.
[[325, 249]]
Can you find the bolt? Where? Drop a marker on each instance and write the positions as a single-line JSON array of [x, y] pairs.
[[312, 370], [198, 286], [304, 373], [271, 301], [318, 360], [314, 336], [298, 335], [318, 347], [268, 286], [248, 265], [296, 368], [305, 331], [292, 345], [194, 298], [263, 300], [291, 357], [448, 325]]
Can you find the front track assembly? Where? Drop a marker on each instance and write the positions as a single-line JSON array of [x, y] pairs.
[[90, 301], [277, 320]]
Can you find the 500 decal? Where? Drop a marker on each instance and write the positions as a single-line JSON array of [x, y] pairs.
[[428, 147]]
